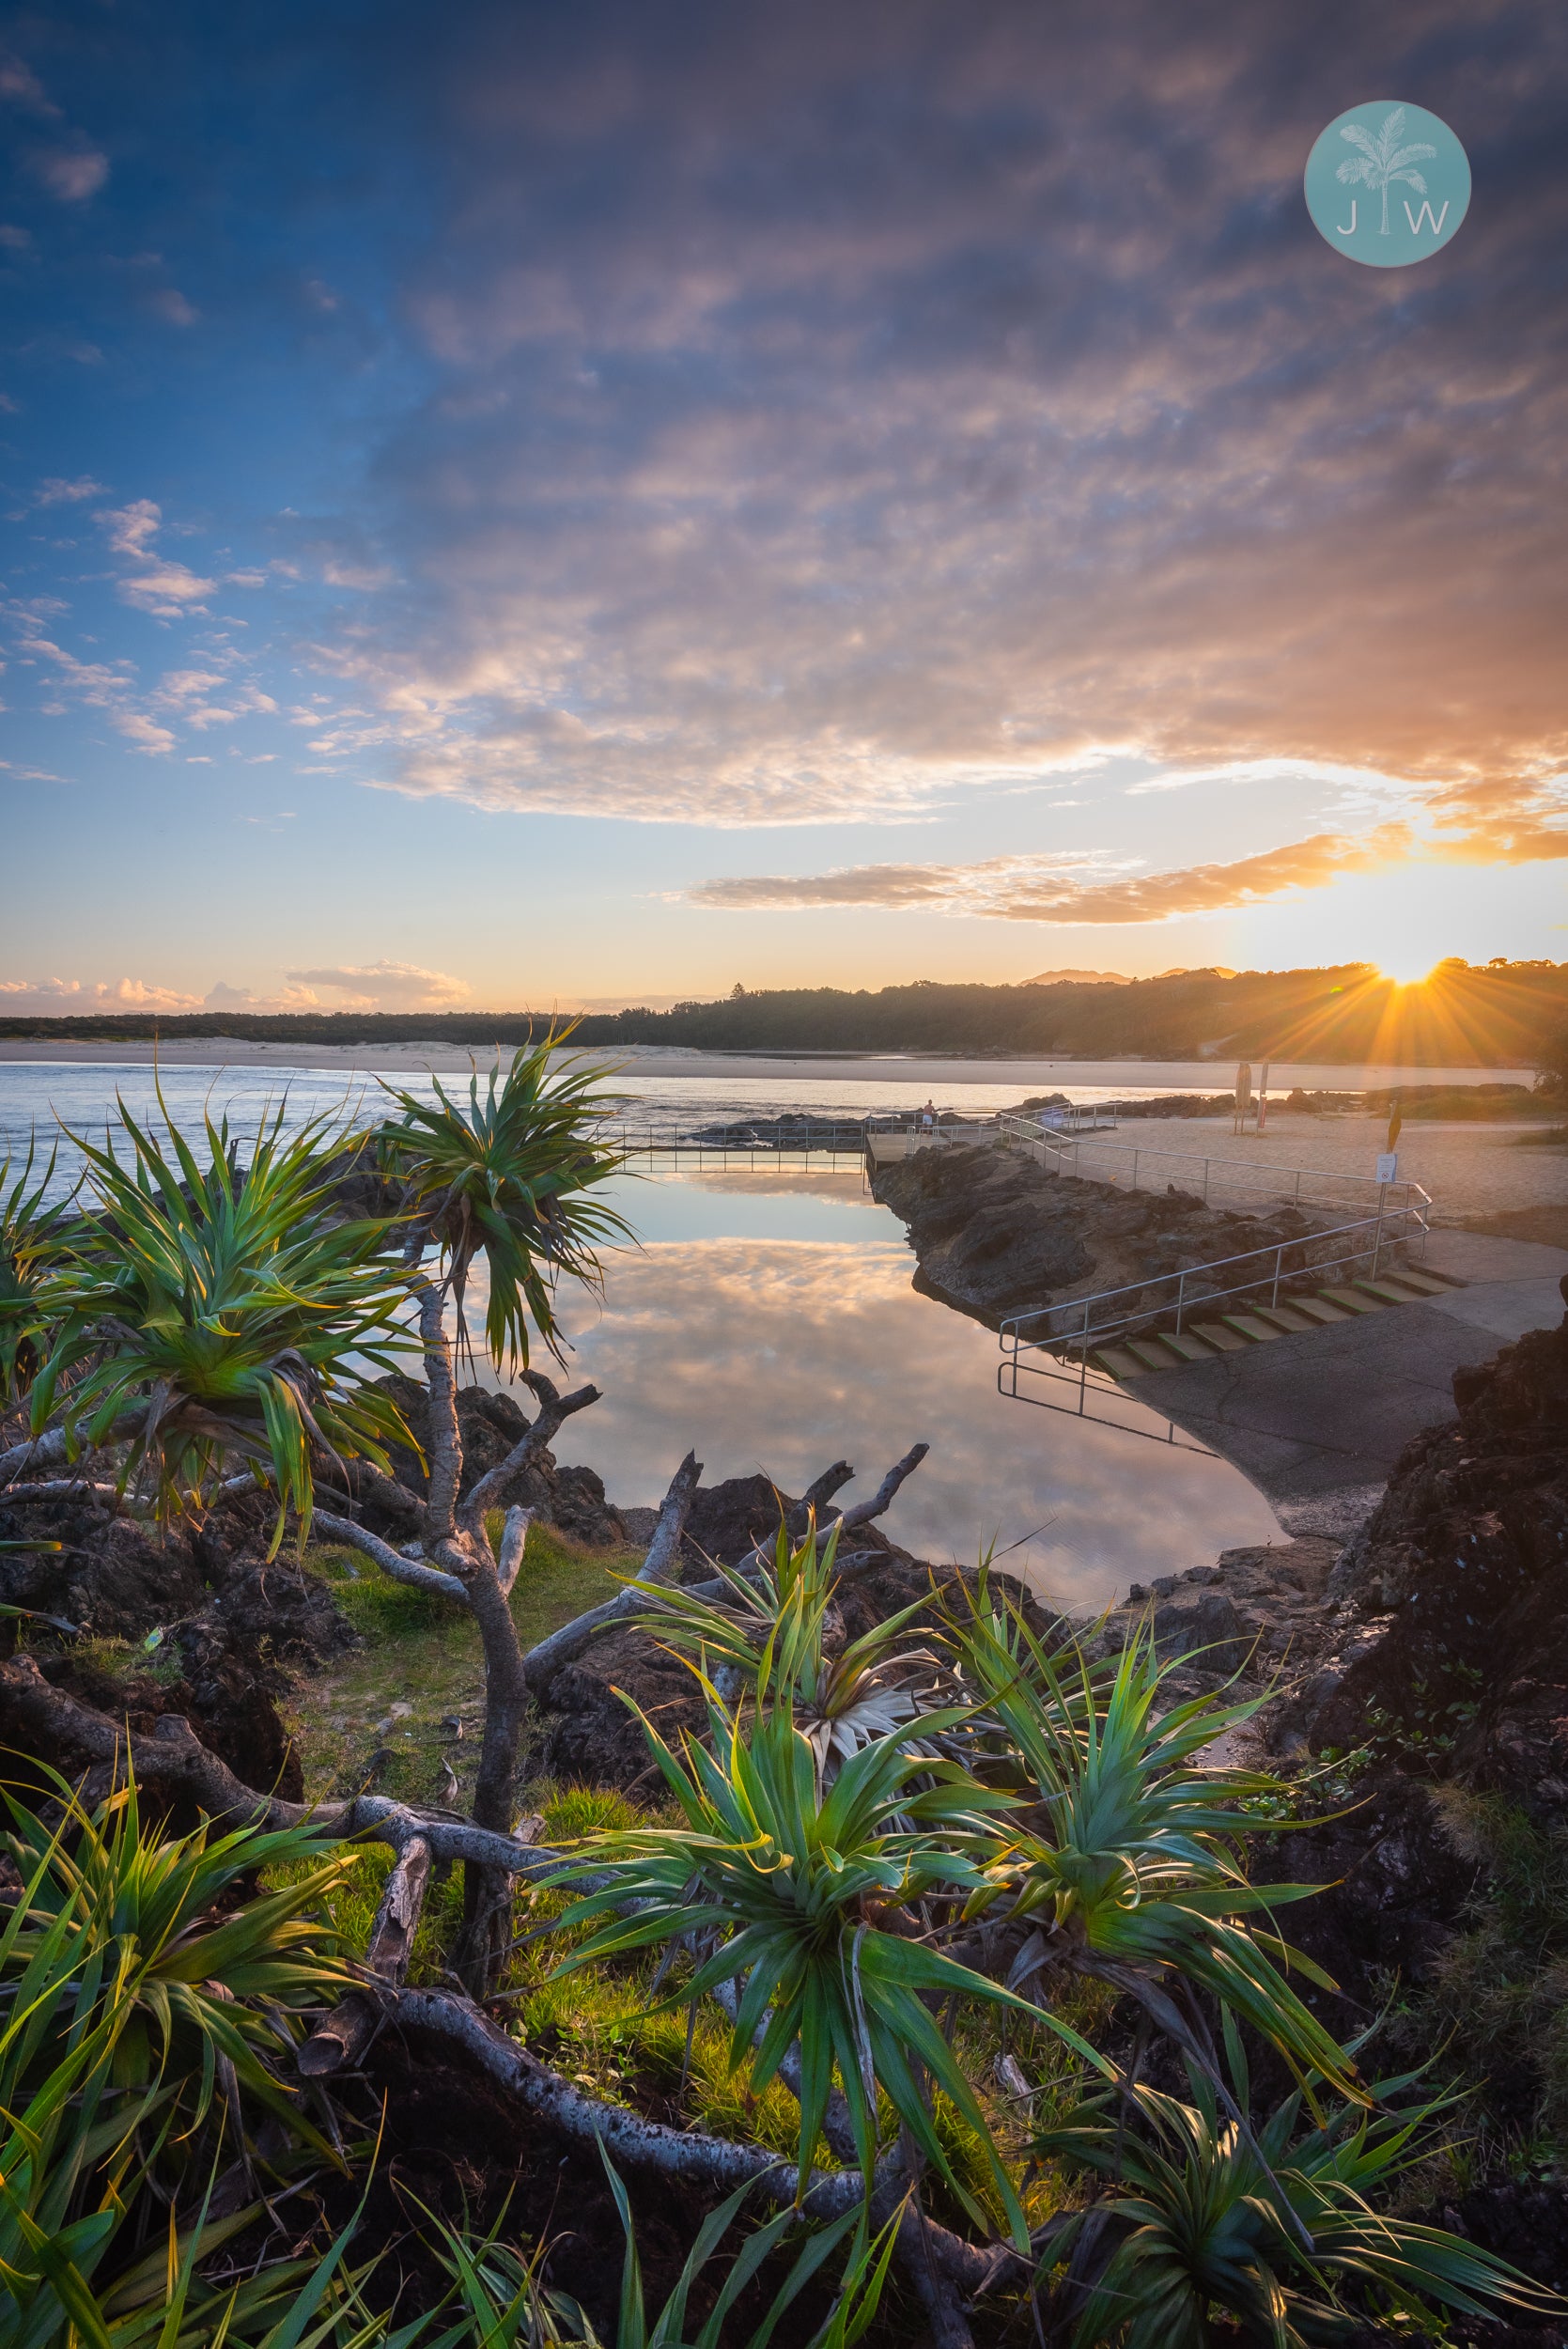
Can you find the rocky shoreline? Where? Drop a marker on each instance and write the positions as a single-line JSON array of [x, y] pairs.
[[994, 1234]]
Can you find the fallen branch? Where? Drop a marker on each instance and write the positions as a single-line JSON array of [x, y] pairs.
[[544, 1662], [710, 2163], [56, 1490], [341, 2037], [173, 1758]]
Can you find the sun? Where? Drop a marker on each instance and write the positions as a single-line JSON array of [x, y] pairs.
[[1406, 970]]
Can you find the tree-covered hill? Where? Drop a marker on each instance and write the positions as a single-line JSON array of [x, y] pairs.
[[1500, 1014]]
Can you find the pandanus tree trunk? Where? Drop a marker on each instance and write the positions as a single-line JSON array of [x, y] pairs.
[[456, 1542]]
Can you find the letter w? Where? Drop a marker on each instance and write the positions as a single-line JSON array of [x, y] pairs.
[[1419, 220]]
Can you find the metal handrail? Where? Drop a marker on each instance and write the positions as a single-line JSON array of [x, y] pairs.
[[1091, 1332], [1232, 1173]]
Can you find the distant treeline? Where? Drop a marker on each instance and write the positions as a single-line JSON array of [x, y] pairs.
[[1491, 1016]]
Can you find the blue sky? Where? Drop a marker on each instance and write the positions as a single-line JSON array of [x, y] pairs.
[[513, 504]]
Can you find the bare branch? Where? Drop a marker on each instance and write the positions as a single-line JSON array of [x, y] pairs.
[[52, 1450], [862, 1513], [514, 1541], [822, 1488], [554, 1410], [544, 1662], [443, 1442], [863, 1510], [392, 1562]]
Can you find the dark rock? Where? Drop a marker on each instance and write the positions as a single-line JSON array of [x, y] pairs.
[[116, 1576], [490, 1423], [995, 1233], [1454, 1598], [1206, 1628], [590, 1736]]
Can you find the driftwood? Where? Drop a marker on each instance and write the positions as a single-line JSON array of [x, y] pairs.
[[341, 2037]]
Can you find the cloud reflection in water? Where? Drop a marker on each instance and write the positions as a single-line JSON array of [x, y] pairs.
[[786, 1353]]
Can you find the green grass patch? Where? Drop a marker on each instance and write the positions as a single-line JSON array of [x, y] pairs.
[[403, 1713]]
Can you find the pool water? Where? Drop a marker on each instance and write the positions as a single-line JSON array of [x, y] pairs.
[[768, 1321]]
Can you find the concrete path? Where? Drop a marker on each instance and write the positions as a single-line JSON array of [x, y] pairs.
[[1317, 1421]]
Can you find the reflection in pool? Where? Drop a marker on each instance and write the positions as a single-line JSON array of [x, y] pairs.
[[768, 1321]]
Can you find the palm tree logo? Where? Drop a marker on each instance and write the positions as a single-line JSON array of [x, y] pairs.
[[1382, 160]]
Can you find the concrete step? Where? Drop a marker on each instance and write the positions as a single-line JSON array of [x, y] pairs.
[[1153, 1353], [1224, 1341], [1426, 1283], [1388, 1291], [1351, 1301], [1247, 1326], [1191, 1349], [1119, 1361], [1284, 1317], [1317, 1310]]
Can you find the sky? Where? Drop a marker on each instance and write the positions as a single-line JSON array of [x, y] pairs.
[[515, 504]]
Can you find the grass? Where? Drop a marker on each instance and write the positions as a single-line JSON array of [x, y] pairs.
[[407, 1706], [385, 1715]]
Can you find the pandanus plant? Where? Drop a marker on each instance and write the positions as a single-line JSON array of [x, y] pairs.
[[772, 1626], [148, 1995], [511, 1178], [1202, 2225], [1129, 1866], [196, 1314], [809, 1897], [31, 1229]]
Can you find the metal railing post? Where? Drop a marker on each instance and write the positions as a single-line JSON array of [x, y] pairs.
[[1279, 1262], [1181, 1300]]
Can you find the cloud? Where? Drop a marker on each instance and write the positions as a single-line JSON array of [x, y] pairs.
[[1040, 889], [170, 305], [60, 997], [875, 438], [74, 174], [20, 86], [57, 492], [133, 528], [146, 733], [377, 986], [164, 588]]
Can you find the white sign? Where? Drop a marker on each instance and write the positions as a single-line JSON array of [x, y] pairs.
[[1388, 1166]]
